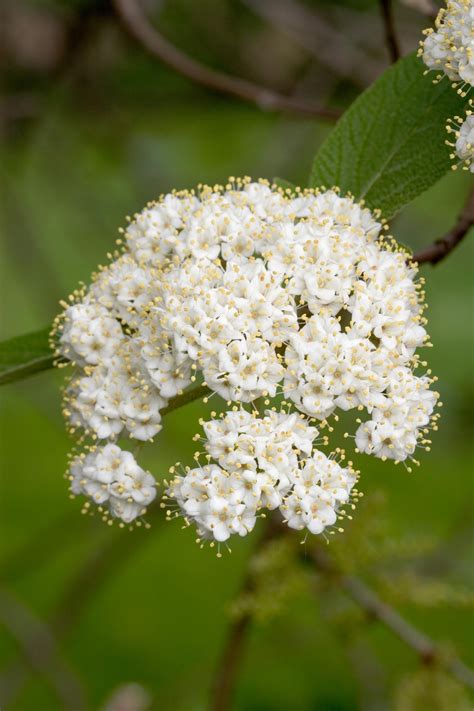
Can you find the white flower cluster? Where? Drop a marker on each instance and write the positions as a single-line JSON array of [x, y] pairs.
[[450, 48], [112, 478], [116, 394], [261, 463], [255, 293], [402, 412]]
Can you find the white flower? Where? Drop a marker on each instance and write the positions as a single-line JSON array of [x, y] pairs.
[[111, 477], [271, 444], [244, 370], [219, 503], [463, 130], [405, 410], [311, 510], [90, 335], [321, 486], [450, 48], [116, 395], [385, 440]]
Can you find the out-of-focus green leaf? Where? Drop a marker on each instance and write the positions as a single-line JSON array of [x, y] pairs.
[[390, 145], [25, 355]]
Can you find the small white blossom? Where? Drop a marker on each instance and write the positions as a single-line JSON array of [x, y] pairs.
[[271, 444], [111, 477], [399, 419], [116, 395], [219, 503], [462, 129], [450, 47], [320, 487], [90, 335]]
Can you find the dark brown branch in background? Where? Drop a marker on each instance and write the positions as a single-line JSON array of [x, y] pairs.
[[229, 661], [427, 650], [376, 609], [443, 246], [137, 25], [391, 40], [228, 664], [341, 52]]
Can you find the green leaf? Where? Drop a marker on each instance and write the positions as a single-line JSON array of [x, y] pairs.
[[390, 145], [24, 356]]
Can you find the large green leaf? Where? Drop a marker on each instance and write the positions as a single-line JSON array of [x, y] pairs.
[[390, 145], [24, 356]]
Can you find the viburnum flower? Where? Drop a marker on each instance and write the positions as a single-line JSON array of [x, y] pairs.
[[462, 130], [264, 462], [112, 478], [450, 47], [288, 308]]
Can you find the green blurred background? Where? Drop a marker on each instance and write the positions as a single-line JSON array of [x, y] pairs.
[[92, 128]]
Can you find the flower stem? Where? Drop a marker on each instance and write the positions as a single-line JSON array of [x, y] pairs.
[[186, 397]]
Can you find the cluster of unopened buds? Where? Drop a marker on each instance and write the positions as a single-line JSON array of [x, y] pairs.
[[289, 308], [449, 50]]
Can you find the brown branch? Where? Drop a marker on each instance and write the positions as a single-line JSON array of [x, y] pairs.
[[136, 24], [228, 665], [190, 395], [40, 651], [341, 52], [440, 249], [391, 40], [428, 651], [229, 662]]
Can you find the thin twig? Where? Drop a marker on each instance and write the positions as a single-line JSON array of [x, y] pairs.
[[194, 393], [428, 651], [391, 40], [228, 664], [229, 661], [341, 52], [443, 246], [137, 25], [40, 651]]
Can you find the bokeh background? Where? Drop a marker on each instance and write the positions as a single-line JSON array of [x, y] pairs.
[[92, 128]]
